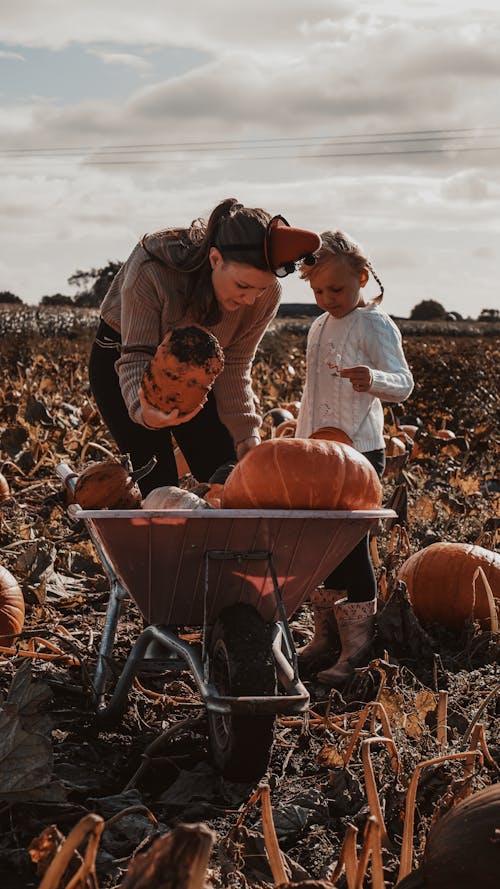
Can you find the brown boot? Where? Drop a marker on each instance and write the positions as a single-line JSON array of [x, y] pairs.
[[326, 635], [356, 623]]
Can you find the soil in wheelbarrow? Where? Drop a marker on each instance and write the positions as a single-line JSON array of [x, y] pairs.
[[154, 770]]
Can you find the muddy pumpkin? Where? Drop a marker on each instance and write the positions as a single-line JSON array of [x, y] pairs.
[[11, 604], [440, 583], [183, 370], [302, 473], [107, 485]]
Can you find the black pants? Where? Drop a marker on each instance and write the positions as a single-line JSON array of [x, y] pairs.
[[355, 574], [204, 440]]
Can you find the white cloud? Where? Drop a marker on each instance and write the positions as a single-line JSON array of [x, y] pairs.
[[5, 54], [121, 58]]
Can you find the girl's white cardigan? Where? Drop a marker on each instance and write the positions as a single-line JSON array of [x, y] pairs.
[[367, 336]]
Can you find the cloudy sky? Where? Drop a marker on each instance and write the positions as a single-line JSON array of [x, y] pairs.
[[378, 118]]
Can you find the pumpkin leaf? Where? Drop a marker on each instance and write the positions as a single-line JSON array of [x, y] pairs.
[[25, 748]]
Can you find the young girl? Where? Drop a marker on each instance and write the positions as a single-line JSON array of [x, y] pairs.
[[355, 360]]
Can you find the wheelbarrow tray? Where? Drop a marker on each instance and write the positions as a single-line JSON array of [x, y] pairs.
[[182, 567]]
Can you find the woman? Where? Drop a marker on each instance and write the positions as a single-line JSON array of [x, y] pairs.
[[223, 275]]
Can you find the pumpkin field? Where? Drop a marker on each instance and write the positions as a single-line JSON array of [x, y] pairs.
[[357, 790]]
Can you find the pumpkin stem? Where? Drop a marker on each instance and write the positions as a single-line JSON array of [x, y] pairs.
[[136, 474], [489, 596]]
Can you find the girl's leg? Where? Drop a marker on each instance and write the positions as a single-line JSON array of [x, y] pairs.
[[355, 613]]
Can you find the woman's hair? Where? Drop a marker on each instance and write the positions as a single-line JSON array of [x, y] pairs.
[[230, 225], [338, 245]]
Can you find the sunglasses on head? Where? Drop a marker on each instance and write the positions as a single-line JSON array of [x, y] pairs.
[[287, 268]]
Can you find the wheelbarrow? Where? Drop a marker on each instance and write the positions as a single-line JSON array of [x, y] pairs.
[[239, 575]]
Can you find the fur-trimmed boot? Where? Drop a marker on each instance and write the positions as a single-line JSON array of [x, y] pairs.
[[356, 623], [326, 634]]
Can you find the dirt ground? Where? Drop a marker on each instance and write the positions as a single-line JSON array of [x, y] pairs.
[[153, 770]]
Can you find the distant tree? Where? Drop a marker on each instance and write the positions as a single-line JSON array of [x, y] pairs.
[[427, 310], [93, 284], [7, 297], [57, 299], [489, 315]]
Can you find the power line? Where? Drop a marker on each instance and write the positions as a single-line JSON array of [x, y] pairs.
[[349, 154], [228, 144]]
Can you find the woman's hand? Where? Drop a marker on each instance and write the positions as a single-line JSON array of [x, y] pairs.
[[359, 376], [246, 445], [155, 419]]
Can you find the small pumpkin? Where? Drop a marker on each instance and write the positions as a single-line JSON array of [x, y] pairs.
[[183, 370], [394, 447], [286, 429], [439, 579], [11, 604], [302, 473], [331, 433], [108, 485], [4, 488], [277, 416], [172, 497]]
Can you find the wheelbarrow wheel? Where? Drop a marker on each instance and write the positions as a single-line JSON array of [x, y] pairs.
[[241, 662]]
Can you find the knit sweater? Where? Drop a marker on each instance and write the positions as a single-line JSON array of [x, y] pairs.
[[144, 302], [366, 336]]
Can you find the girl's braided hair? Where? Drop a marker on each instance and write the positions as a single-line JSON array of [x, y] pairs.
[[338, 245]]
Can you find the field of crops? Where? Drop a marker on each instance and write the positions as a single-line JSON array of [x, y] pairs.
[[436, 691]]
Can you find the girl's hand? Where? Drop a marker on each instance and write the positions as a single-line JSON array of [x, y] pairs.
[[359, 376], [246, 445], [155, 419]]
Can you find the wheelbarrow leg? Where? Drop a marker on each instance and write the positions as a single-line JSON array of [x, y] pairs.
[[117, 596]]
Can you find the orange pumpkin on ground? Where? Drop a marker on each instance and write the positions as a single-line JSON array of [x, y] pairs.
[[445, 434], [11, 604], [286, 429], [183, 370], [394, 447], [302, 473], [331, 433], [107, 485], [439, 581], [4, 488]]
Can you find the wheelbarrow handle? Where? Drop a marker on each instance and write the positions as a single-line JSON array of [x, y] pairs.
[[68, 475]]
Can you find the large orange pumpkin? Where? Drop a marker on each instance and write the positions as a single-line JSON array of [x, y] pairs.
[[183, 370], [11, 604], [439, 581], [107, 485], [302, 473]]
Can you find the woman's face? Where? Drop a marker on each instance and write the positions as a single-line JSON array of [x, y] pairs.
[[236, 284], [337, 287]]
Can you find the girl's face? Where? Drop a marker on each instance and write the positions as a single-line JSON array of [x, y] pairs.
[[236, 284], [337, 287]]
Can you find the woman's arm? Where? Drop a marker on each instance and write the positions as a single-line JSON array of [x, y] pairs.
[[236, 400]]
